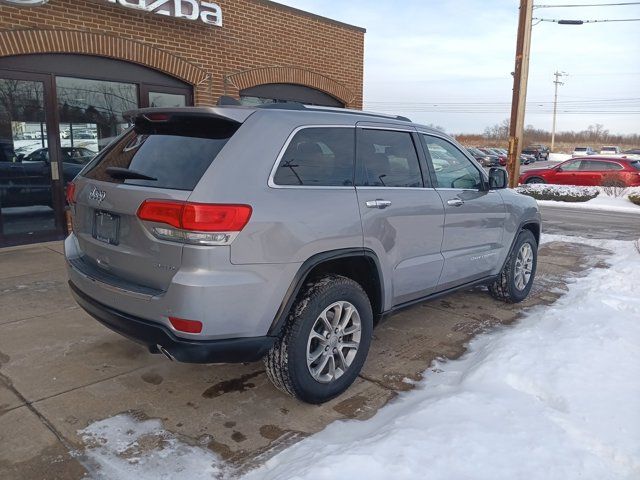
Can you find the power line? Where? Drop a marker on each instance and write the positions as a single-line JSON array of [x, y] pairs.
[[587, 5], [580, 22]]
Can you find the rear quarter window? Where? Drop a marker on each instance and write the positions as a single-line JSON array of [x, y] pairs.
[[175, 154]]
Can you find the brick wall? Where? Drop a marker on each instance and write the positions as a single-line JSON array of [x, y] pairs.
[[256, 35]]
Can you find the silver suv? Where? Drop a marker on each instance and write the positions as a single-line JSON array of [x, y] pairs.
[[231, 234]]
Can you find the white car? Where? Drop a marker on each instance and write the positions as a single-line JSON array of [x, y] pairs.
[[582, 151], [610, 151]]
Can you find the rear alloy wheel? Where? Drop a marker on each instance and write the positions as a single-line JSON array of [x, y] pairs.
[[333, 342], [534, 180], [517, 275], [325, 340]]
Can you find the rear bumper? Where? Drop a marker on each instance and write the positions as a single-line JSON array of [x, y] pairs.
[[152, 335]]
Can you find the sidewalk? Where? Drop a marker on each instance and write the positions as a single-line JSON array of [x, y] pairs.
[[61, 371]]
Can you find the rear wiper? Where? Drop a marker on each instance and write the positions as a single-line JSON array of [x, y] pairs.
[[125, 173]]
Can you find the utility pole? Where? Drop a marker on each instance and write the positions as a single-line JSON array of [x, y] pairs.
[[518, 102], [555, 105]]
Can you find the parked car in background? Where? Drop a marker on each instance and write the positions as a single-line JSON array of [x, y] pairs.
[[633, 151], [502, 159], [582, 151], [610, 150], [539, 152], [593, 171], [484, 159]]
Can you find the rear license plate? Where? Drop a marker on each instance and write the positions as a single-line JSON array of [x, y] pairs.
[[106, 227]]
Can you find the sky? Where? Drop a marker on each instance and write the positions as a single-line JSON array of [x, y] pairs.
[[449, 63]]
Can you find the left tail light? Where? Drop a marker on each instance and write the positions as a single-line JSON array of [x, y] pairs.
[[195, 223], [71, 193]]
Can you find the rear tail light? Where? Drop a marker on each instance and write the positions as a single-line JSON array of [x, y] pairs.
[[71, 193], [187, 326], [196, 223]]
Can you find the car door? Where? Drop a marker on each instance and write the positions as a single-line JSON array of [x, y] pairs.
[[402, 216], [474, 216], [567, 173], [590, 173]]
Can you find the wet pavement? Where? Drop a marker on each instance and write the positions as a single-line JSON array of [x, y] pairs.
[[61, 371]]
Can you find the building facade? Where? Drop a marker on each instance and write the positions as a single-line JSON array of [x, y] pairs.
[[69, 69]]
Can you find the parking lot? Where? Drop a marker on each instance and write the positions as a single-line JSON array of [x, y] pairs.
[[61, 371]]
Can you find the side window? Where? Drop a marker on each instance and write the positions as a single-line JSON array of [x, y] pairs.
[[572, 166], [452, 168], [318, 157], [387, 158], [595, 166]]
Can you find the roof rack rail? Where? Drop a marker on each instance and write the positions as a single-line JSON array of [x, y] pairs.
[[300, 106]]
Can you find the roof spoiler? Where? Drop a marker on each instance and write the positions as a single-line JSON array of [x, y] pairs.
[[164, 115]]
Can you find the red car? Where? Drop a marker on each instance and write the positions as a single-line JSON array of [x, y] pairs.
[[592, 171]]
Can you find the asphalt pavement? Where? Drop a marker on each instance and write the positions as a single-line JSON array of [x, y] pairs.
[[590, 223]]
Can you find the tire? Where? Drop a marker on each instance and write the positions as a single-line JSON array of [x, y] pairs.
[[509, 288], [287, 362], [534, 180]]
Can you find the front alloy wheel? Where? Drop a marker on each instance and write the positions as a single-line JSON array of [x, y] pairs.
[[523, 266]]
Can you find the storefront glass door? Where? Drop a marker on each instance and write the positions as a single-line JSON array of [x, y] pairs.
[[57, 112], [27, 173]]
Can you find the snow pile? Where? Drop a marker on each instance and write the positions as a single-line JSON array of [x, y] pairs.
[[556, 396], [124, 448]]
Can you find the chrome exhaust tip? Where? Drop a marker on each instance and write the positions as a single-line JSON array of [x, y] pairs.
[[165, 353]]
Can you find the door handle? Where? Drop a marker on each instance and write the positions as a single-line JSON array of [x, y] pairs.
[[455, 202], [381, 204]]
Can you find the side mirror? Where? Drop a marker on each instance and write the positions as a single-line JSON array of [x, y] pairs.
[[498, 178]]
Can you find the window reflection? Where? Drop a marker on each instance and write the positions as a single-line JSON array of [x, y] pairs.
[[91, 111], [26, 205], [166, 100]]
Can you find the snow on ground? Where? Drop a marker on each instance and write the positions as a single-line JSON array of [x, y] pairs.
[[557, 396], [124, 448]]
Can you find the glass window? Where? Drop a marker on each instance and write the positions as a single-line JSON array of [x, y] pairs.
[[172, 155], [318, 157], [571, 166], [595, 166], [91, 111], [635, 164], [26, 202], [452, 168], [166, 100], [388, 158]]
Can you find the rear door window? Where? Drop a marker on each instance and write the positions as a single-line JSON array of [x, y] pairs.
[[173, 155], [388, 158], [320, 157]]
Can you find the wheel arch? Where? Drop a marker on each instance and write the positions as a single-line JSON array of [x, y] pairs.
[[534, 228], [361, 265]]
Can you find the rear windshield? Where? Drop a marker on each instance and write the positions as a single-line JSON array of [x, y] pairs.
[[175, 155], [635, 164]]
